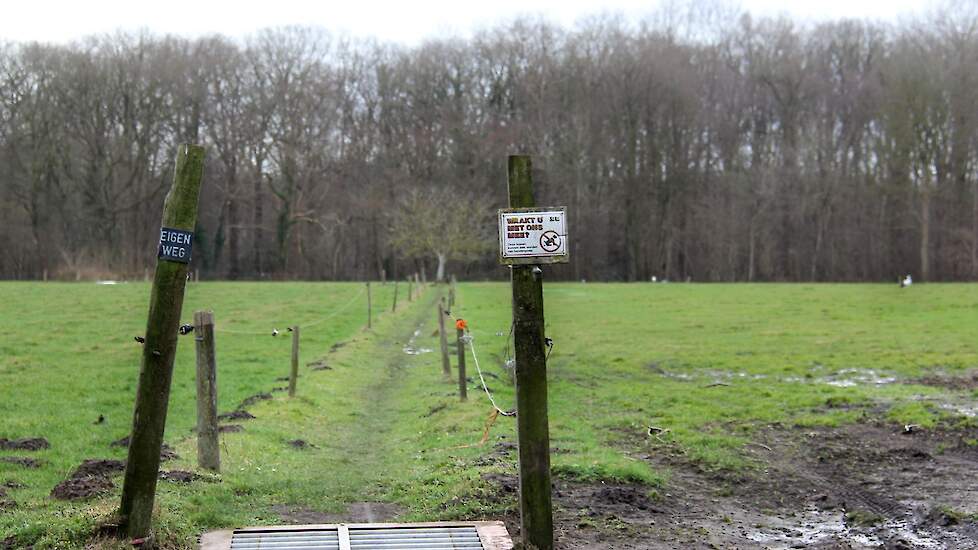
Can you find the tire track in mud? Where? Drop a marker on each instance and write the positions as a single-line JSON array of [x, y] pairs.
[[854, 486]]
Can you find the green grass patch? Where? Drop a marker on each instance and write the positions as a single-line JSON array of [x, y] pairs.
[[704, 364]]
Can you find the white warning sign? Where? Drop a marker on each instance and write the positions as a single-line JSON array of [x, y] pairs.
[[533, 236]]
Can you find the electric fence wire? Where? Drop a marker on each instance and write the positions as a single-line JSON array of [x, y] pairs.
[[334, 313], [475, 358], [468, 339]]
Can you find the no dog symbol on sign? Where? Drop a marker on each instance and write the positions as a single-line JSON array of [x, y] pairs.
[[550, 241], [533, 236]]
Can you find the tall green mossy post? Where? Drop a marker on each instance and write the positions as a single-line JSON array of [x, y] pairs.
[[533, 431], [159, 349]]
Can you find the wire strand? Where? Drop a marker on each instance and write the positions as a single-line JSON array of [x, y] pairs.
[[482, 379], [334, 313]]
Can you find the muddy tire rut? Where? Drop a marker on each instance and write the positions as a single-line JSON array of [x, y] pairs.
[[856, 486]]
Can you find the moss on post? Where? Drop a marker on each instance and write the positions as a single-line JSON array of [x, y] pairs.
[[536, 514], [159, 349]]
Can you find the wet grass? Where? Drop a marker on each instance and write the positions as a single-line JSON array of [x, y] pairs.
[[706, 364]]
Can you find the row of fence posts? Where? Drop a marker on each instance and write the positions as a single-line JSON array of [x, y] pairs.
[[444, 311], [159, 351], [208, 455]]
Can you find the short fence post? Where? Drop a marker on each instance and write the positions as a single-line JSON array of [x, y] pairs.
[[369, 307], [294, 375], [451, 295], [424, 276], [410, 289], [462, 383], [446, 363], [208, 452], [394, 307]]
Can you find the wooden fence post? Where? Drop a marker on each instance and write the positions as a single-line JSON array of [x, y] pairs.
[[462, 383], [536, 513], [424, 276], [394, 307], [160, 345], [369, 308], [410, 289], [451, 295], [208, 451], [446, 363], [294, 373]]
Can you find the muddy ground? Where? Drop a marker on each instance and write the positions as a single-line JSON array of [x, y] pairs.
[[860, 486], [25, 444], [357, 512]]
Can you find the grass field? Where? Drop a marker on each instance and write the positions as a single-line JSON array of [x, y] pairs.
[[709, 365]]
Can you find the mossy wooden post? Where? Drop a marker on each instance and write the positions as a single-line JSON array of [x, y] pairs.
[[536, 515], [424, 276], [394, 306], [294, 373], [370, 319], [208, 451], [410, 289], [462, 383], [159, 349], [446, 363]]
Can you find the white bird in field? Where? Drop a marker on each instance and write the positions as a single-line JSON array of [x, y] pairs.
[[907, 281]]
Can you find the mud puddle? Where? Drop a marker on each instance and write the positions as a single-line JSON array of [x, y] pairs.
[[411, 348], [831, 528], [844, 378]]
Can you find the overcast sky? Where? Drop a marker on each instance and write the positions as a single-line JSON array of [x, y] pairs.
[[405, 21]]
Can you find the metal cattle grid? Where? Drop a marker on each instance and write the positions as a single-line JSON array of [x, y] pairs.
[[483, 535]]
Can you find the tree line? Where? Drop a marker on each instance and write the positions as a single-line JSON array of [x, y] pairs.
[[711, 147]]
